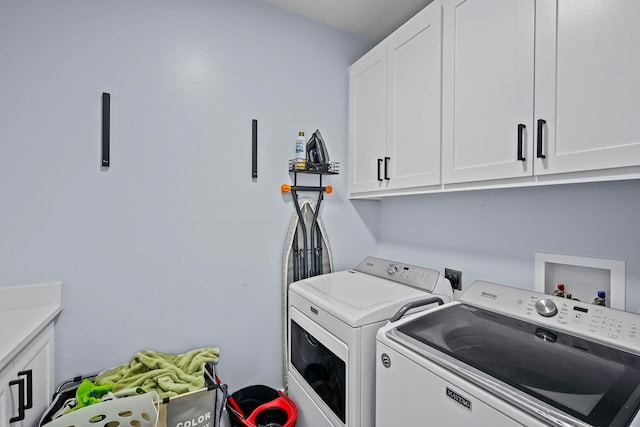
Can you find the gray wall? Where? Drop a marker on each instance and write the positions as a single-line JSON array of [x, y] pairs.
[[175, 246], [493, 235]]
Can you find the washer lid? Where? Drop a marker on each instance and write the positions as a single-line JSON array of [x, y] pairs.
[[357, 299], [594, 383]]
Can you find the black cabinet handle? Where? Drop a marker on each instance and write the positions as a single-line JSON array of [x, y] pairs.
[[29, 376], [386, 168], [379, 164], [521, 129], [541, 124], [21, 406]]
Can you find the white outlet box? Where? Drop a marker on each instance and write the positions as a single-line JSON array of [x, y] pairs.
[[583, 277]]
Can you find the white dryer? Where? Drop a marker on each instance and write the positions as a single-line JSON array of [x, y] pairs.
[[502, 356], [333, 321]]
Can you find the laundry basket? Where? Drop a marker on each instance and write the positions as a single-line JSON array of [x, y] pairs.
[[260, 406], [140, 410], [200, 407]]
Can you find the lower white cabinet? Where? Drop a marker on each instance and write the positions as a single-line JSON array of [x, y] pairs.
[[6, 403], [26, 383]]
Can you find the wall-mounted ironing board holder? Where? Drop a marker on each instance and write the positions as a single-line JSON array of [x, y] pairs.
[[311, 244]]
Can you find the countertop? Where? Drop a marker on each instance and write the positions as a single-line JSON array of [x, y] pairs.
[[24, 312]]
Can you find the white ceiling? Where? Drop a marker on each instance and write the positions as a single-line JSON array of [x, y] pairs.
[[368, 19]]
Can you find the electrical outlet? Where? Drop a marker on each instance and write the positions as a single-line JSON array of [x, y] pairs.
[[455, 277]]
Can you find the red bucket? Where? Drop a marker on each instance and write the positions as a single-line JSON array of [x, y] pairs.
[[261, 405]]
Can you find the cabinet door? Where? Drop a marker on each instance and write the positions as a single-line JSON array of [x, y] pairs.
[[413, 95], [36, 361], [587, 85], [367, 120], [7, 407], [488, 64]]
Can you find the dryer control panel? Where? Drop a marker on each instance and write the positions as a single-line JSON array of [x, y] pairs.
[[411, 275], [606, 325]]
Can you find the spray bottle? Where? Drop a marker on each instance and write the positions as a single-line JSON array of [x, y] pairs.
[[301, 158]]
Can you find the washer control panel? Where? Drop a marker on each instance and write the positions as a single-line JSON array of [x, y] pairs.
[[614, 327], [411, 275]]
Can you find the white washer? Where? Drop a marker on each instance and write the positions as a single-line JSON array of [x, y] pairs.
[[333, 320], [502, 356]]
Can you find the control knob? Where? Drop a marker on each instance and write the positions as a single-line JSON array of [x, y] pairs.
[[392, 268], [546, 308]]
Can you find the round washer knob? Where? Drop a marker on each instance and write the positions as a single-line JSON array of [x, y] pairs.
[[392, 268], [546, 308]]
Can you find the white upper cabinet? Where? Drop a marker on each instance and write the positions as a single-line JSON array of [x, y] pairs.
[[488, 90], [491, 93], [581, 115], [413, 97], [395, 104], [367, 120], [587, 85]]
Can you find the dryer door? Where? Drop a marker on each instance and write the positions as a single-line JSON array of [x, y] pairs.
[[320, 362]]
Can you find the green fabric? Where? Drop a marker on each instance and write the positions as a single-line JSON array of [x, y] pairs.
[[167, 374], [89, 393]]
